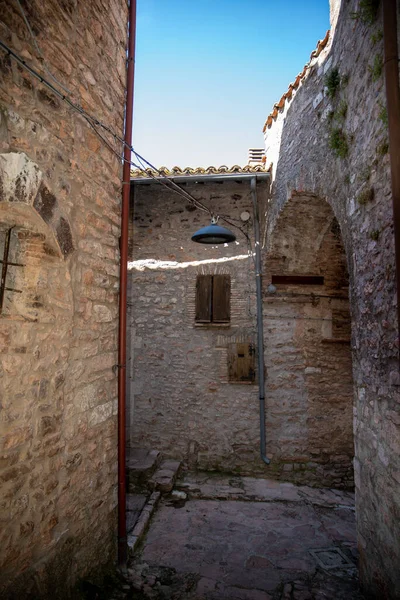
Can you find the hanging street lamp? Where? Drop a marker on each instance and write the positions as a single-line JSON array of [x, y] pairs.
[[213, 234]]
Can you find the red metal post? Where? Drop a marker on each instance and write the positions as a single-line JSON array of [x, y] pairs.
[[393, 111], [122, 541]]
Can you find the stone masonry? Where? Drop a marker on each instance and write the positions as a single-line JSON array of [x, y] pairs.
[[327, 142], [60, 192], [183, 401]]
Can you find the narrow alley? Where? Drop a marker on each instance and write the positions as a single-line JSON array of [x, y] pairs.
[[207, 536]]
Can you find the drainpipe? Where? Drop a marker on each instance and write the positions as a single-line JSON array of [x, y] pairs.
[[393, 112], [260, 333], [122, 541]]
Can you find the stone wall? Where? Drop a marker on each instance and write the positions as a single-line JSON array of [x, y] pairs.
[[330, 142], [60, 194], [182, 399], [309, 387]]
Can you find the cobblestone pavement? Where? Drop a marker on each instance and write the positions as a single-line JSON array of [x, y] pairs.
[[248, 539]]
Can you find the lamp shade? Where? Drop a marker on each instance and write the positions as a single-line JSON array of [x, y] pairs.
[[213, 234]]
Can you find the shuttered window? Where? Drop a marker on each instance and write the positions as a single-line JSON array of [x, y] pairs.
[[213, 299], [241, 363]]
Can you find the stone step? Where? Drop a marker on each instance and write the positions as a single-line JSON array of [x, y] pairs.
[[134, 507], [140, 466], [164, 478], [142, 523]]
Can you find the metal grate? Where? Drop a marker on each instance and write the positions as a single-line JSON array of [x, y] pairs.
[[331, 558]]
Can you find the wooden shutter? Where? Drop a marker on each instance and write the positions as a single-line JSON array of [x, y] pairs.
[[241, 363], [221, 306], [203, 298]]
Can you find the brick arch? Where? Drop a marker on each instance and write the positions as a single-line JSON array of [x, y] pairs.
[[25, 199], [299, 235], [307, 328]]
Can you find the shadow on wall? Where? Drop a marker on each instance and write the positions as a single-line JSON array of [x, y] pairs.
[[309, 387], [333, 146]]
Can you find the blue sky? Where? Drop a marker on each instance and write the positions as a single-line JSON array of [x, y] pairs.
[[209, 71]]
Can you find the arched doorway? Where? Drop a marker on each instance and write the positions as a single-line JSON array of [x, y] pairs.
[[307, 330]]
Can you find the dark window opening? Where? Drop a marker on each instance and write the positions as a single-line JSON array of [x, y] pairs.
[[297, 280], [213, 299]]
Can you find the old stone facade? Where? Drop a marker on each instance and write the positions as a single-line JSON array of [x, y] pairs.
[[184, 397], [60, 212], [327, 141], [181, 399]]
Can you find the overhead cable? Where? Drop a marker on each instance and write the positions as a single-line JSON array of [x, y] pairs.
[[50, 74], [94, 123]]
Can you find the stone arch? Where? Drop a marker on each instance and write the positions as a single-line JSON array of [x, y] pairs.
[[25, 199], [40, 239], [309, 387]]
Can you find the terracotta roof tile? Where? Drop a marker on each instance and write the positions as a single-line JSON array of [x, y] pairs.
[[178, 171], [293, 86]]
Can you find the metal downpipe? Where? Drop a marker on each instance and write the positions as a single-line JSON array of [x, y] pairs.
[[122, 538], [260, 332], [391, 65]]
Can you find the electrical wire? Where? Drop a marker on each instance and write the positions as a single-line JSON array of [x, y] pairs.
[[38, 48], [94, 123]]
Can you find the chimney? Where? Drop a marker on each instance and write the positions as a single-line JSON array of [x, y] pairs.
[[256, 156]]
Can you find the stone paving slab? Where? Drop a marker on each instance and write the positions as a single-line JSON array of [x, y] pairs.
[[209, 486], [243, 549]]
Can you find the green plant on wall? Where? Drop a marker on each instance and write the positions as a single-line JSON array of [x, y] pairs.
[[376, 68], [367, 11], [367, 195], [382, 149], [338, 142], [342, 110], [375, 235], [376, 37], [332, 82], [383, 116]]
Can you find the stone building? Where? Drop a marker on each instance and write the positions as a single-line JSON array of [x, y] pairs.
[[329, 301], [185, 400], [327, 140], [194, 376], [60, 217]]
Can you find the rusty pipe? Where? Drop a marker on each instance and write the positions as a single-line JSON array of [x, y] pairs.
[[126, 175], [393, 112]]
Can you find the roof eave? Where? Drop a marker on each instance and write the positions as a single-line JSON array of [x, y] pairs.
[[203, 178]]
